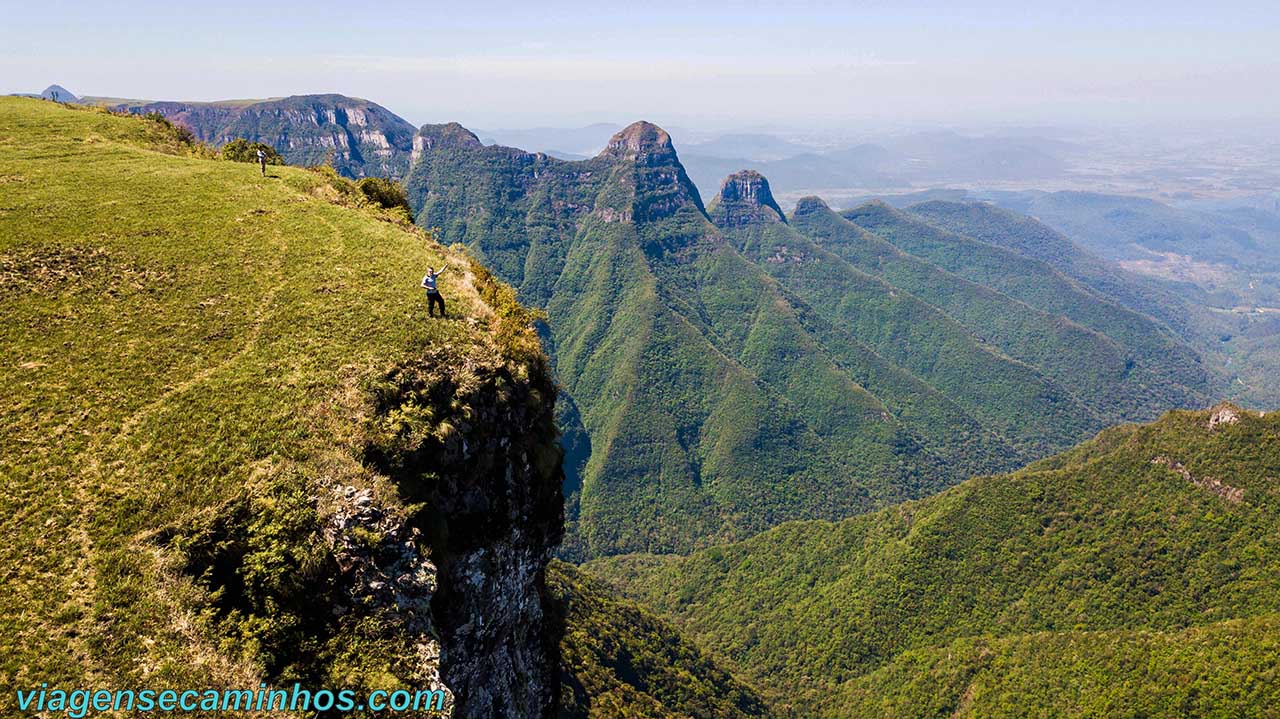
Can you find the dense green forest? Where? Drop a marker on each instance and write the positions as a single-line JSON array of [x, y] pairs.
[[1233, 340], [620, 661], [1173, 304], [1150, 545]]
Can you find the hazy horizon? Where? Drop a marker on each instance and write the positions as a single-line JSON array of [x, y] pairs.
[[728, 67]]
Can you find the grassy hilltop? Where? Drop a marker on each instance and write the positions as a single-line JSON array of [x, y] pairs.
[[180, 334]]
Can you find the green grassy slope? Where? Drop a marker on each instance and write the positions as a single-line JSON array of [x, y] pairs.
[[1141, 534], [180, 335]]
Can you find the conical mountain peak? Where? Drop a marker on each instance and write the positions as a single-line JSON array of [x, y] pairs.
[[639, 139], [58, 93], [811, 205]]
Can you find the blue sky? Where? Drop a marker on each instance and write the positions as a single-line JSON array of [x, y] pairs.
[[720, 64]]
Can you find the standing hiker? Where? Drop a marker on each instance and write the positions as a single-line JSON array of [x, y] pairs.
[[433, 294], [262, 161]]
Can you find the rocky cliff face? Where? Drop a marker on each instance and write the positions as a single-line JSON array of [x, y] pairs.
[[361, 138], [745, 198], [487, 477]]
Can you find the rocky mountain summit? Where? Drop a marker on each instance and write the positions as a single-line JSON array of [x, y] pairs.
[[745, 199]]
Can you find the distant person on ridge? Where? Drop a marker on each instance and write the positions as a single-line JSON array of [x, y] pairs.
[[433, 294], [262, 161]]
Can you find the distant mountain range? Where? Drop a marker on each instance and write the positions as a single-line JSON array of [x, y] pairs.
[[359, 138], [1230, 249], [1206, 270], [566, 143], [365, 139], [729, 368], [929, 157], [756, 147]]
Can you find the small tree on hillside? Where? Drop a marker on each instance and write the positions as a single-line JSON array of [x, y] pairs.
[[241, 150], [170, 129], [385, 193]]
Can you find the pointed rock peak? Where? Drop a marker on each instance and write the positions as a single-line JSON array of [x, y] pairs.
[[811, 205], [638, 139], [645, 166], [747, 186], [745, 199]]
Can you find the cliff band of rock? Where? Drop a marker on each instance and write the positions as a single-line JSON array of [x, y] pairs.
[[745, 199], [488, 478]]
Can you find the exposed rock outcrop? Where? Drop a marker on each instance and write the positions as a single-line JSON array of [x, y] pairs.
[[1209, 484], [360, 138], [640, 141], [745, 199], [645, 161], [1224, 414], [385, 574], [485, 468]]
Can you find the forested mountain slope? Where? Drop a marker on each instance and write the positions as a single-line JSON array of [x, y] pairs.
[[729, 368], [660, 331], [1134, 575], [1167, 302], [1238, 340], [1032, 311], [620, 661]]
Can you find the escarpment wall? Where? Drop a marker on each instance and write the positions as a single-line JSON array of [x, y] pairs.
[[483, 463]]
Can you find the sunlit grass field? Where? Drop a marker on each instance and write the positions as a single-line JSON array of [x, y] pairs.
[[177, 332]]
